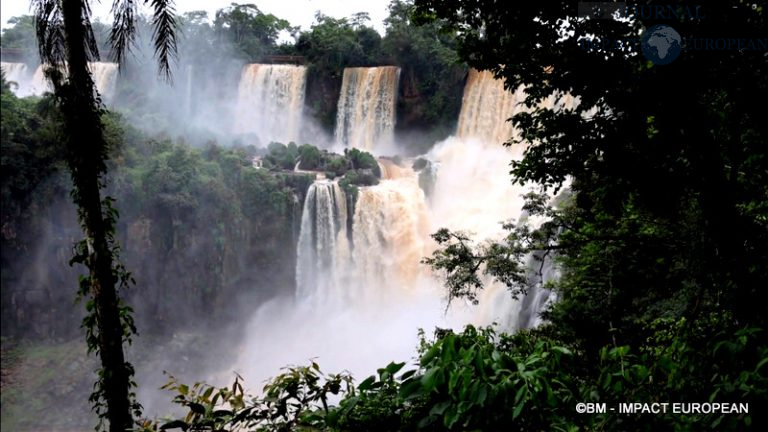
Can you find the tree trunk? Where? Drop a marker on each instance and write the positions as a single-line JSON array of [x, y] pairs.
[[86, 153]]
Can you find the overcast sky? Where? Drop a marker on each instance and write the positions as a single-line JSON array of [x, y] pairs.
[[297, 12]]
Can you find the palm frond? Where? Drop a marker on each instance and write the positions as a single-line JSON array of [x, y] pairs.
[[164, 35], [51, 37], [123, 32], [91, 46], [49, 29]]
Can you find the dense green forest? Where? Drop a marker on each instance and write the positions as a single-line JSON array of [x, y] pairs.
[[660, 233]]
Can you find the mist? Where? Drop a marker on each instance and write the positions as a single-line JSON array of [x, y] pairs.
[[246, 271]]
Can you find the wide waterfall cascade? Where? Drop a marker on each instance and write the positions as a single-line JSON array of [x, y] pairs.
[[360, 285], [390, 232], [390, 170], [40, 84], [378, 257], [361, 291], [270, 101], [365, 117], [104, 77]]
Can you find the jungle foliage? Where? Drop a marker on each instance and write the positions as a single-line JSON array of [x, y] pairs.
[[197, 224], [661, 236], [661, 240]]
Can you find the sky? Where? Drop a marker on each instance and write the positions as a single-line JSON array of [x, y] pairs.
[[297, 12]]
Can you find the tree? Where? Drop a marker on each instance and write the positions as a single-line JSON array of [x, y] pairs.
[[664, 231], [21, 34], [331, 45], [66, 43], [651, 181], [253, 32], [432, 74]]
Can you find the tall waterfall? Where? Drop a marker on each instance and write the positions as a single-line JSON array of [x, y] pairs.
[[485, 108], [270, 102], [366, 112], [323, 244], [359, 284], [104, 78], [359, 279], [476, 161], [378, 257], [390, 232]]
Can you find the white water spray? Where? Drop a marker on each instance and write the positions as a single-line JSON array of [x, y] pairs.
[[270, 101], [104, 77], [361, 290]]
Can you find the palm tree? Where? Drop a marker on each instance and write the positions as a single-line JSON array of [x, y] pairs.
[[66, 41]]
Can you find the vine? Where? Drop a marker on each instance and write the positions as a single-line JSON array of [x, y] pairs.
[[83, 253]]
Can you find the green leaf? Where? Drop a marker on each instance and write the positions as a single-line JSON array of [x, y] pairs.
[[451, 417], [366, 384], [175, 424], [520, 393], [518, 409], [394, 368], [431, 353], [429, 380], [482, 395], [439, 409], [349, 404], [196, 407], [411, 389], [207, 393]]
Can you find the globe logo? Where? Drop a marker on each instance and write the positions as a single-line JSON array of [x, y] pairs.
[[661, 44]]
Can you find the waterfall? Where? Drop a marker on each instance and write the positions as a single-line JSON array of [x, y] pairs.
[[475, 161], [104, 77], [188, 91], [389, 237], [39, 84], [359, 279], [323, 243], [19, 74], [378, 257], [485, 108], [270, 102], [365, 116]]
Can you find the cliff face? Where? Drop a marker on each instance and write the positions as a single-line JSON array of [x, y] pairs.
[[427, 108], [411, 106], [187, 265], [38, 287], [322, 99]]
